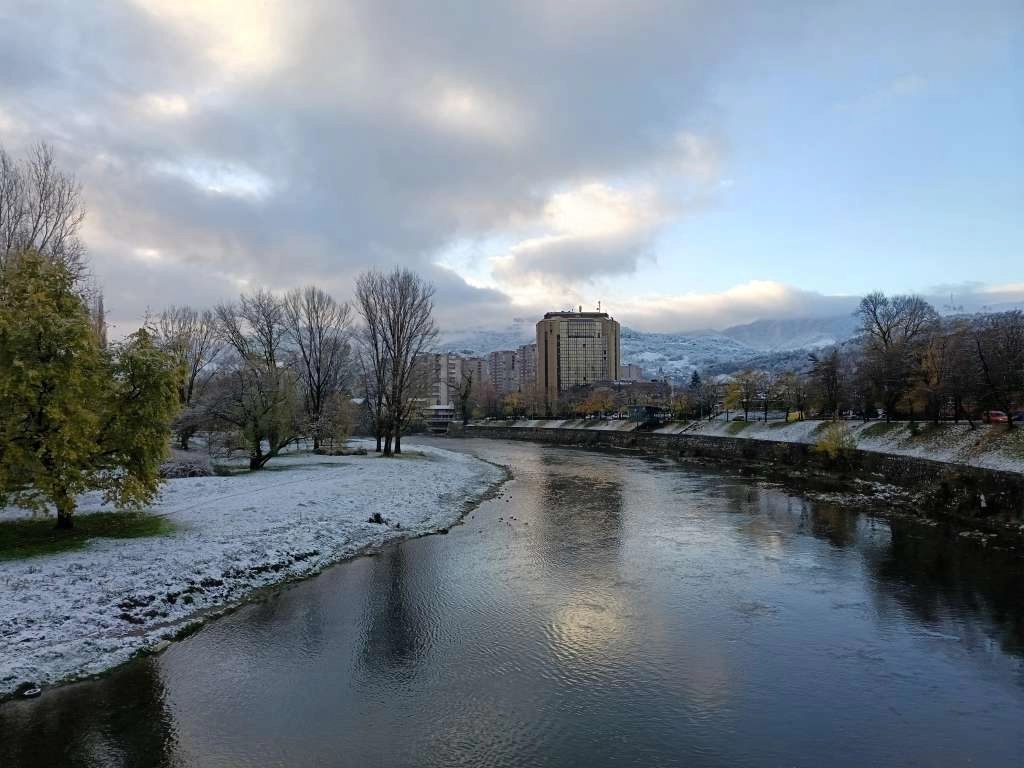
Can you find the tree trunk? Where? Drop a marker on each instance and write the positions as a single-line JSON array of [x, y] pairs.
[[398, 440], [316, 443], [256, 460], [387, 443], [65, 509]]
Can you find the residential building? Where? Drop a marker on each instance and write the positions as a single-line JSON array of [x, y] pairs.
[[575, 349], [503, 372], [630, 372], [442, 374], [526, 360]]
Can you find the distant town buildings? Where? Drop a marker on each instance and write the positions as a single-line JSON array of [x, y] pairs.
[[575, 349]]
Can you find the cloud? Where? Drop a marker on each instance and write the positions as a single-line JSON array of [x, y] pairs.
[[224, 145], [743, 303], [589, 231], [276, 142], [892, 92]]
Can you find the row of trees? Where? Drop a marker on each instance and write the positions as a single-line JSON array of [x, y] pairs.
[[912, 361], [261, 372], [266, 371], [908, 362]]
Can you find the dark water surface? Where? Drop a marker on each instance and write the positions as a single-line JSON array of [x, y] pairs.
[[605, 610]]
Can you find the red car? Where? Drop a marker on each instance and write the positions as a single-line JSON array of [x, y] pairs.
[[994, 417]]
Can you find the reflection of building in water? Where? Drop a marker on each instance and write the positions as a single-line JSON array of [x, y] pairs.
[[582, 521]]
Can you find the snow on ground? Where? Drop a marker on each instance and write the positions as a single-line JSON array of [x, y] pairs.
[[81, 612]]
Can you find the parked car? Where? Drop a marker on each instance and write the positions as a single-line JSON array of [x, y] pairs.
[[994, 417], [1018, 416]]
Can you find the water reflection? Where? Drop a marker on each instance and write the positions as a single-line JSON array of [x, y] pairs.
[[394, 638], [122, 724], [952, 585]]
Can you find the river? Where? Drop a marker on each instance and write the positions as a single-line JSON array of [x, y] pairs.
[[603, 610]]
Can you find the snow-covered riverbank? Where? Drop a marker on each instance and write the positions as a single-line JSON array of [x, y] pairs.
[[80, 612], [981, 445]]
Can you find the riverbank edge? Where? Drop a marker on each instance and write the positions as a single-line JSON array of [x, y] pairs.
[[193, 623], [979, 498]]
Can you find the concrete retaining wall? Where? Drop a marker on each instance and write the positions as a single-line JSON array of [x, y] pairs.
[[943, 489]]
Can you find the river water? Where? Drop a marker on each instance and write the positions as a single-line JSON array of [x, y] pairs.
[[605, 609]]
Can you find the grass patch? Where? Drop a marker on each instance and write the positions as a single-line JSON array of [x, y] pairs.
[[188, 630], [879, 429], [36, 536], [778, 424], [1010, 442], [735, 427]]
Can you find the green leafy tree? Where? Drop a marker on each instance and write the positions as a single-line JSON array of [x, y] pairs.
[[73, 416]]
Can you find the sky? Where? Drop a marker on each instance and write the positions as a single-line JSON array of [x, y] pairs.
[[688, 164]]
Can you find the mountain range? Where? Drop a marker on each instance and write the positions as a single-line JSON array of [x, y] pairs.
[[678, 354]]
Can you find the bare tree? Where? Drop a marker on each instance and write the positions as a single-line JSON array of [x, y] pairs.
[[255, 391], [409, 332], [398, 327], [743, 390], [192, 337], [934, 366], [464, 394], [318, 328], [41, 210], [892, 330], [827, 376], [372, 353], [999, 340], [793, 389], [771, 385], [962, 382]]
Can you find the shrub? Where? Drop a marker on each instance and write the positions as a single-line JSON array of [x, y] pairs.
[[835, 441]]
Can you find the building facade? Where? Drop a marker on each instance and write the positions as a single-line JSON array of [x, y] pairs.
[[502, 371], [630, 372], [442, 375], [575, 349], [526, 359]]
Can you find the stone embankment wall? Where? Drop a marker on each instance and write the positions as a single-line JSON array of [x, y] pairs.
[[943, 489]]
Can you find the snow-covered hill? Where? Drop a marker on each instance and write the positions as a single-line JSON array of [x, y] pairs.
[[793, 334], [679, 354]]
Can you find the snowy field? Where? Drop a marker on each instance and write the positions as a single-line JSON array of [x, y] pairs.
[[80, 612]]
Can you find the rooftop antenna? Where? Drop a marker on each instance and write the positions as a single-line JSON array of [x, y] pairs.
[[599, 305]]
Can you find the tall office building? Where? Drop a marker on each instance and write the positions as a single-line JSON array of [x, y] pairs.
[[575, 349]]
